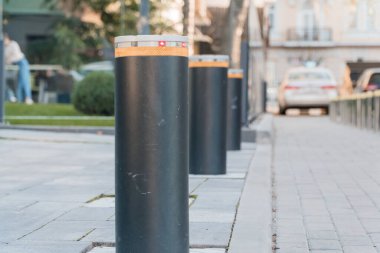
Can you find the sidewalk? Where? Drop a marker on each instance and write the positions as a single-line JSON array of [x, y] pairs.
[[316, 189], [57, 195], [327, 187]]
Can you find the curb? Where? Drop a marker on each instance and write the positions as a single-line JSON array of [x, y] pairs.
[[261, 131], [258, 132], [253, 226]]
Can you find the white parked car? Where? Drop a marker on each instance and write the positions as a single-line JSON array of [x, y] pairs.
[[305, 87], [369, 80]]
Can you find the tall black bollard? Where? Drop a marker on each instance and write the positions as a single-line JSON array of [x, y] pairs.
[[234, 93], [152, 144], [208, 85]]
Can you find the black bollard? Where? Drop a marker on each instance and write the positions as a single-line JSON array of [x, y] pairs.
[[208, 85], [244, 62], [152, 144], [234, 92]]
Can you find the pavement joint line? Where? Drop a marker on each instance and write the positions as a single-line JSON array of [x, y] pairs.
[[237, 207], [109, 218], [234, 222], [199, 185], [42, 226], [29, 187], [86, 234], [274, 191], [31, 204]]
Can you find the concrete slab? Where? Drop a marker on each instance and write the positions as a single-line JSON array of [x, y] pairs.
[[209, 234]]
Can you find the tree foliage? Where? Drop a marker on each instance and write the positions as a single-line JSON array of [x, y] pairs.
[[67, 41], [75, 42], [71, 43], [111, 16]]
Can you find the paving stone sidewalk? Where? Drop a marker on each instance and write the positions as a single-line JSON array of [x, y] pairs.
[[325, 179], [327, 187], [48, 182]]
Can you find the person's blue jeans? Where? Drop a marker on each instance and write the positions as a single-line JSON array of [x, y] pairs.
[[23, 87]]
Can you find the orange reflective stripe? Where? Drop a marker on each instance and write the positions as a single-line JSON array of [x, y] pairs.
[[208, 64], [240, 76], [151, 51]]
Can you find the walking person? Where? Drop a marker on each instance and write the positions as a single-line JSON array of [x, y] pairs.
[[14, 55]]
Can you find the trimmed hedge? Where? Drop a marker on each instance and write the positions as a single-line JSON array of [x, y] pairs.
[[95, 94]]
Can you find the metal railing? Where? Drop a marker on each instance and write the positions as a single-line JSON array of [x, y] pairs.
[[360, 110], [305, 34]]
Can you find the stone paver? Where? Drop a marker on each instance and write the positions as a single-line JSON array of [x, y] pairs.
[[327, 187]]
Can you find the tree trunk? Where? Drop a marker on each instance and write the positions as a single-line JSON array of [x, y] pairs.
[[185, 11], [234, 28]]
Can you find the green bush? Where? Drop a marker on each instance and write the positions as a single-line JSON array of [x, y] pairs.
[[95, 94]]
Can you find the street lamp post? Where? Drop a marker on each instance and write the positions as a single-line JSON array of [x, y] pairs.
[[122, 17], [265, 27], [143, 25], [2, 83]]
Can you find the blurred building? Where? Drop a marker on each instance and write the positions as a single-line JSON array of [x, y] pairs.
[[29, 21], [329, 33], [207, 20], [198, 20]]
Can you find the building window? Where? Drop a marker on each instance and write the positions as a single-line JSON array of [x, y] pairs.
[[363, 14], [306, 21], [272, 16]]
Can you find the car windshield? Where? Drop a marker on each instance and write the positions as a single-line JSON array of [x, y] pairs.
[[375, 79], [317, 76]]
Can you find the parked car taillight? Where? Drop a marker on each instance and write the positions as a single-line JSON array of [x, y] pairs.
[[371, 87], [328, 87], [289, 87]]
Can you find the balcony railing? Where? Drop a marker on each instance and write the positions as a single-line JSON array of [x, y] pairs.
[[305, 34]]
